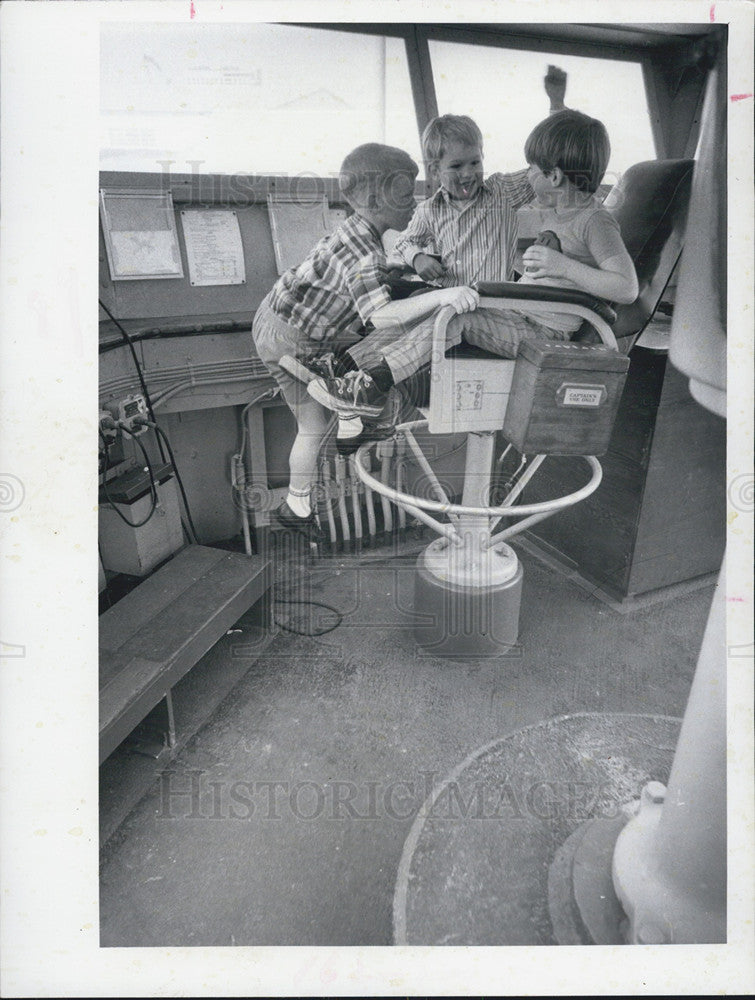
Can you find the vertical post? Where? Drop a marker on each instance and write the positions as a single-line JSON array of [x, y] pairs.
[[421, 77], [657, 106], [669, 863], [691, 840], [475, 530], [383, 69]]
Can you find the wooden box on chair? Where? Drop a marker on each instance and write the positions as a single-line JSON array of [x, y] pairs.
[[564, 398]]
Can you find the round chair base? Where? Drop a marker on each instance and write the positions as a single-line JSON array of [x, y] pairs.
[[460, 622]]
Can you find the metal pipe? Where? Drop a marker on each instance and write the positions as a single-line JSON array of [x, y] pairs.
[[374, 484], [384, 452], [518, 528], [341, 493], [238, 478], [550, 507], [528, 473], [504, 453], [426, 467], [498, 512], [354, 484], [328, 491], [447, 530], [369, 504], [400, 462]]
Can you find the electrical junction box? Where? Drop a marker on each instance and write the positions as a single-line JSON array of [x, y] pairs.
[[126, 410], [137, 550], [564, 398]]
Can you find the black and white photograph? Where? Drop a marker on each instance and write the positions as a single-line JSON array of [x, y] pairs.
[[377, 499]]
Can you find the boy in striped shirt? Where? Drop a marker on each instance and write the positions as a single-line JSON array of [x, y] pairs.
[[466, 231]]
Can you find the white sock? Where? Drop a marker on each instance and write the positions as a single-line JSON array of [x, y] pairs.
[[349, 427], [298, 501]]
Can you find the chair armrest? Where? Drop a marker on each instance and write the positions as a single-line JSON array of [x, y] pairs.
[[403, 288], [547, 293]]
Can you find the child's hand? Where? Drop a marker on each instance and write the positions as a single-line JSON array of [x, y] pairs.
[[427, 267], [542, 262], [555, 87], [462, 299]]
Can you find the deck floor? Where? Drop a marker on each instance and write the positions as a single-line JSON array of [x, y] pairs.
[[283, 820]]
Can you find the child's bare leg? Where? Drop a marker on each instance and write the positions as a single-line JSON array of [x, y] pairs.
[[312, 422]]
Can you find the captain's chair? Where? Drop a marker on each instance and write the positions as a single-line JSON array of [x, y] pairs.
[[556, 399]]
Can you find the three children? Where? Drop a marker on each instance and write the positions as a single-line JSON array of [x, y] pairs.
[[464, 233], [568, 154]]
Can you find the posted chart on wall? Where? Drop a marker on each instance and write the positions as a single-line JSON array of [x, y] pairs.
[[213, 247]]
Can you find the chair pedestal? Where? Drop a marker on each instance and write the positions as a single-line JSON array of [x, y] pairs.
[[468, 582], [467, 592], [457, 620]]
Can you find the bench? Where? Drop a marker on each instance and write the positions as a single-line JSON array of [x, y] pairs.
[[154, 635]]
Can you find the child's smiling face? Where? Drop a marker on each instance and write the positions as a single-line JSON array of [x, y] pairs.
[[459, 170]]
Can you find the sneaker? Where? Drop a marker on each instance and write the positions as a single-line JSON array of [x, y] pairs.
[[373, 430], [355, 394], [288, 519], [305, 368]]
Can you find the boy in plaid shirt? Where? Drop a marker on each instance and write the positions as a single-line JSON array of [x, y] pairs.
[[341, 286]]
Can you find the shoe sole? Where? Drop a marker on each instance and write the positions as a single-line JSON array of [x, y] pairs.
[[373, 432], [294, 367], [347, 446], [307, 526], [317, 391]]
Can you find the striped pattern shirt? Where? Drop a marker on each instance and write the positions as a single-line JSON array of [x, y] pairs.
[[338, 286], [476, 242]]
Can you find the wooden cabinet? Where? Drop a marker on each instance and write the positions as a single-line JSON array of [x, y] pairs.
[[658, 517]]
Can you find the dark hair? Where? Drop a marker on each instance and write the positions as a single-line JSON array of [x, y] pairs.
[[576, 143]]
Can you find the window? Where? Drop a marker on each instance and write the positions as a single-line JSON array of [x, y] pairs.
[[502, 89], [249, 98]]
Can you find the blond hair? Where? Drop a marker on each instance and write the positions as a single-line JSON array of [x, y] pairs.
[[448, 128]]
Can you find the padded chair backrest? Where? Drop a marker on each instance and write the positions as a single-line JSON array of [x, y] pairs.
[[650, 204]]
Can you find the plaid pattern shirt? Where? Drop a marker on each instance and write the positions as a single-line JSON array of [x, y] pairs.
[[338, 286], [476, 242]]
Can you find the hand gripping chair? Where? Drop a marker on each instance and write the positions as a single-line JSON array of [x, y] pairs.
[[560, 399]]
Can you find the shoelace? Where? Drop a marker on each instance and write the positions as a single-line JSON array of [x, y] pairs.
[[328, 364], [323, 364], [353, 382]]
